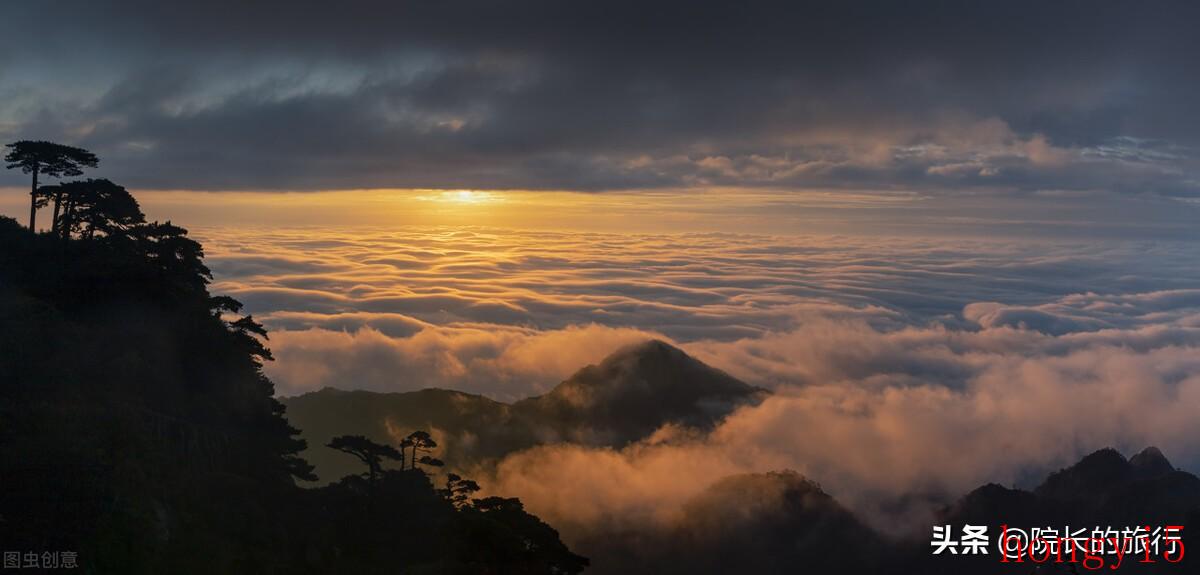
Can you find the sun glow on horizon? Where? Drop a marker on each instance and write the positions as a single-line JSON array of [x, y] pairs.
[[786, 212], [462, 197]]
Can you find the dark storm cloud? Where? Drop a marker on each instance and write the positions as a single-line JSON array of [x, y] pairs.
[[307, 95]]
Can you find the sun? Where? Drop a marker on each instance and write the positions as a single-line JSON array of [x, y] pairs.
[[466, 197]]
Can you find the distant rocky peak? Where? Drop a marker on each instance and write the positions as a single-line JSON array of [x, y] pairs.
[[1151, 463]]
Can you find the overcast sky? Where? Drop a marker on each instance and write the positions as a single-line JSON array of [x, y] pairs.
[[1087, 97]]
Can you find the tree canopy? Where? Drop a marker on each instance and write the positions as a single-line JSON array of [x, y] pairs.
[[48, 158], [370, 453], [38, 157], [91, 207]]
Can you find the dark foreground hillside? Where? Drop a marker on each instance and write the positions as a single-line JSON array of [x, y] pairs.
[[138, 434]]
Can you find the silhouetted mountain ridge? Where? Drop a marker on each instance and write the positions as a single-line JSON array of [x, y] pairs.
[[1101, 489], [636, 390], [781, 522], [626, 397], [774, 522]]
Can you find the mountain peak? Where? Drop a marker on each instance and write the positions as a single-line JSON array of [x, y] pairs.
[[626, 397], [651, 348], [640, 387], [1151, 463], [655, 367], [1096, 472]]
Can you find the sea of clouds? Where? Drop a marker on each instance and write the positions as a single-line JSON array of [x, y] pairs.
[[906, 371]]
